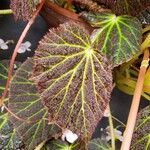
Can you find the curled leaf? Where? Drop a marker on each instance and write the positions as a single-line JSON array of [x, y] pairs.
[[24, 102], [74, 80]]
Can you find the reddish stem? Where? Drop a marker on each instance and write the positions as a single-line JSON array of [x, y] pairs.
[[11, 65], [135, 104]]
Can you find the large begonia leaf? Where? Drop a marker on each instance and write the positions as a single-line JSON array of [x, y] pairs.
[[8, 136], [23, 9], [130, 7], [98, 144], [141, 136], [74, 80], [24, 102], [119, 37]]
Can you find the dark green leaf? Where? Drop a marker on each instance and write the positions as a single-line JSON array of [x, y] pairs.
[[98, 144], [144, 17], [25, 103], [74, 80], [117, 37], [9, 140], [141, 136], [60, 145]]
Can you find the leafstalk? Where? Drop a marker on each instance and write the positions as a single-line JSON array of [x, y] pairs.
[[135, 103]]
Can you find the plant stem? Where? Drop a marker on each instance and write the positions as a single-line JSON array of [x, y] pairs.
[[10, 70], [6, 12], [135, 103], [111, 130]]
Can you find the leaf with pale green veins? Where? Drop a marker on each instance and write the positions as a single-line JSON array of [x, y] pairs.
[[24, 102], [118, 37], [141, 136], [74, 80], [23, 9], [9, 139], [98, 144]]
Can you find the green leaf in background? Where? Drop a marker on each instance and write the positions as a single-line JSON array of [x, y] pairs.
[[141, 136], [128, 7], [74, 80], [9, 140], [98, 144], [25, 103], [61, 145], [23, 9], [118, 37]]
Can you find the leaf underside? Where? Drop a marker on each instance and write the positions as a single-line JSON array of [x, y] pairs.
[[129, 7], [118, 37], [141, 136], [23, 9], [73, 79], [25, 103], [98, 144], [8, 136]]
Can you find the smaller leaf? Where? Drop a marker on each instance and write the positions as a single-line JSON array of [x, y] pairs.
[[8, 136], [141, 136], [118, 37], [98, 144], [24, 102]]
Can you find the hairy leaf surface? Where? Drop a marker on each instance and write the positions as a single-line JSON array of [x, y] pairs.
[[130, 7], [117, 37], [8, 137], [98, 144], [141, 136], [24, 102], [23, 9], [74, 80]]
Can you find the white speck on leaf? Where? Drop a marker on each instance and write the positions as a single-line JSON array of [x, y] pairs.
[[24, 47], [69, 136]]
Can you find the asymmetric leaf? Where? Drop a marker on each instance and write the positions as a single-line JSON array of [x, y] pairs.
[[119, 37], [24, 102], [130, 7], [23, 9], [74, 80], [98, 144], [141, 136]]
